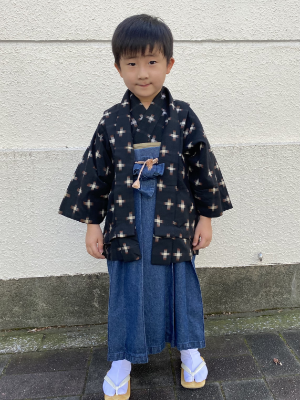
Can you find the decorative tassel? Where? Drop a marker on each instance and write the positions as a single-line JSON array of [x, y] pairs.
[[136, 184]]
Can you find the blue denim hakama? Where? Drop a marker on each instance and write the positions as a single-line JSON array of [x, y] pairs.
[[150, 305]]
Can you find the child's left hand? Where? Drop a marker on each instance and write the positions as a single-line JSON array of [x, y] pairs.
[[204, 231]]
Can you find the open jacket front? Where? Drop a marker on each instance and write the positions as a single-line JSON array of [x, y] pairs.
[[191, 185]]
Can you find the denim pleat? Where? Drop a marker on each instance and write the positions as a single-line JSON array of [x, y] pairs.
[[150, 305]]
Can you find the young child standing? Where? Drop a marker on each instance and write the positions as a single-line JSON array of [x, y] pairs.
[[150, 171]]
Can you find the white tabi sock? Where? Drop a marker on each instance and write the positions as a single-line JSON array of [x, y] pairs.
[[191, 358], [119, 370]]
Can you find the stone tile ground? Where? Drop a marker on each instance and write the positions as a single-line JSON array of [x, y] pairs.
[[240, 366]]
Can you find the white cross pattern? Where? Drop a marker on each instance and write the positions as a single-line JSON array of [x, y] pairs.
[[190, 145], [112, 208], [160, 185], [102, 212], [174, 136], [125, 248], [141, 117], [78, 190], [222, 183], [121, 234], [214, 190], [178, 109], [151, 118], [171, 168], [192, 207], [128, 181], [83, 173], [192, 127], [130, 218], [68, 195], [106, 170], [163, 96], [102, 122], [213, 207], [187, 225], [98, 155], [164, 112], [178, 254], [74, 178], [182, 123], [181, 205], [75, 208], [112, 140], [106, 114], [210, 173], [128, 147], [120, 165], [164, 151], [201, 146], [125, 102], [88, 203], [199, 165], [153, 139], [169, 204], [93, 185], [165, 254], [133, 122], [217, 166], [158, 221], [87, 220], [120, 201], [186, 132], [197, 182], [121, 131], [227, 199], [172, 104]]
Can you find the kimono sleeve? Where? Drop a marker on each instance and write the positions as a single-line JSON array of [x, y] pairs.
[[205, 177], [86, 198]]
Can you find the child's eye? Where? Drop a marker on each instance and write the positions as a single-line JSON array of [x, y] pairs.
[[131, 64], [152, 62]]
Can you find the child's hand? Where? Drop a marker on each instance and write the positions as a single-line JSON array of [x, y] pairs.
[[93, 237], [203, 230]]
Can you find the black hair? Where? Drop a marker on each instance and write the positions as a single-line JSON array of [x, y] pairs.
[[135, 33]]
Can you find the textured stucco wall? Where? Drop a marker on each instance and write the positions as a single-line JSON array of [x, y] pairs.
[[238, 67]]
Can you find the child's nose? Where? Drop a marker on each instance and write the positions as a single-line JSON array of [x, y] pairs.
[[142, 73]]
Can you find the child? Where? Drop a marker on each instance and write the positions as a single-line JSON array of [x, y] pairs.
[[150, 171]]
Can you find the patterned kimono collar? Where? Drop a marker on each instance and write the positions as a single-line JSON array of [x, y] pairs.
[[121, 138], [146, 121]]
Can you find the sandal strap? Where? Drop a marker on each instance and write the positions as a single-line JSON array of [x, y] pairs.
[[201, 365], [126, 379]]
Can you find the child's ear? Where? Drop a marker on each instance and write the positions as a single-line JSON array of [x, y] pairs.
[[170, 65], [118, 69]]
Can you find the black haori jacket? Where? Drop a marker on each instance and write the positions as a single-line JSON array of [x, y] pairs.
[[191, 185]]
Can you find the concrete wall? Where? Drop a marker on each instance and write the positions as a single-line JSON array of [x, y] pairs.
[[237, 64]]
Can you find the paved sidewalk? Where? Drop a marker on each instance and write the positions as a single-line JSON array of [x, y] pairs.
[[240, 366], [70, 362]]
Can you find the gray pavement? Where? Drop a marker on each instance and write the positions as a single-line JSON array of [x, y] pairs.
[[69, 363]]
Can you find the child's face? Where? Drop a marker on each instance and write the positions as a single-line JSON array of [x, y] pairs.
[[145, 75]]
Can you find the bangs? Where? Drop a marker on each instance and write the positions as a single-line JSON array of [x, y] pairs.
[[135, 47]]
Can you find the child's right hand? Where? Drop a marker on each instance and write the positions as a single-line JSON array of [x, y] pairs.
[[94, 237]]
